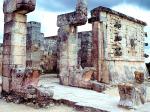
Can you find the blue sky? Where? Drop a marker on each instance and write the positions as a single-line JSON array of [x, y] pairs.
[[47, 10]]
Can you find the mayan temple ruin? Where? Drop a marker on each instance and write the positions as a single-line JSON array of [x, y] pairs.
[[102, 70]]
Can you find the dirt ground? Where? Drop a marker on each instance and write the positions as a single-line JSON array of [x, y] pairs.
[[11, 107]]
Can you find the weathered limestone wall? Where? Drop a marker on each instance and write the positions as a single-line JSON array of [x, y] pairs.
[[35, 44], [85, 47], [52, 49], [50, 54], [119, 40], [14, 48]]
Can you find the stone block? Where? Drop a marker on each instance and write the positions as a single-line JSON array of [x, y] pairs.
[[17, 81], [7, 39], [18, 50], [139, 77], [64, 80], [131, 95], [35, 77], [6, 70], [7, 50], [6, 59], [18, 75], [8, 26], [18, 59], [20, 28], [99, 87], [18, 39], [6, 84], [16, 17], [21, 6], [76, 18], [88, 73], [43, 97], [31, 78], [85, 84], [87, 76]]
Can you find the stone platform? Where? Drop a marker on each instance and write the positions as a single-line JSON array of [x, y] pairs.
[[88, 99]]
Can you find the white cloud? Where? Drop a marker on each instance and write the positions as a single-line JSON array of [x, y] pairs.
[[134, 11], [48, 21]]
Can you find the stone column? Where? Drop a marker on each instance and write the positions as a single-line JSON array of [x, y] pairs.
[[15, 30], [68, 36]]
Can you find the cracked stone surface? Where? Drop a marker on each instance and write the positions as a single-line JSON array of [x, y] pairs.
[[107, 100]]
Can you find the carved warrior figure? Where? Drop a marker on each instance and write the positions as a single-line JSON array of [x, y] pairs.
[[67, 34], [14, 53]]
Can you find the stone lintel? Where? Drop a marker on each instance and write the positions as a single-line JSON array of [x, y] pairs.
[[72, 18], [76, 18], [20, 6], [15, 17]]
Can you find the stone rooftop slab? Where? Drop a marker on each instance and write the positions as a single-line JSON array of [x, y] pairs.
[[95, 15]]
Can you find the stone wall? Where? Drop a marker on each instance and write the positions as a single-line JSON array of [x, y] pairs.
[[85, 47], [118, 45], [35, 44], [50, 54]]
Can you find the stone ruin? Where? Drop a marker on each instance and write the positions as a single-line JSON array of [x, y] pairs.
[[118, 45], [18, 82], [109, 54], [133, 94]]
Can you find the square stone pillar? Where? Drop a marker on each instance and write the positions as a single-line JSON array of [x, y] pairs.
[[14, 40], [68, 37]]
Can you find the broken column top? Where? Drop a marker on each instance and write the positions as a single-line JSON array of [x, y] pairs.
[[76, 18], [19, 6], [95, 13]]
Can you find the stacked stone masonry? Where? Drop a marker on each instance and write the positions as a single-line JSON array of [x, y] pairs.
[[110, 53], [14, 42], [118, 45], [67, 34], [35, 44], [50, 59]]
